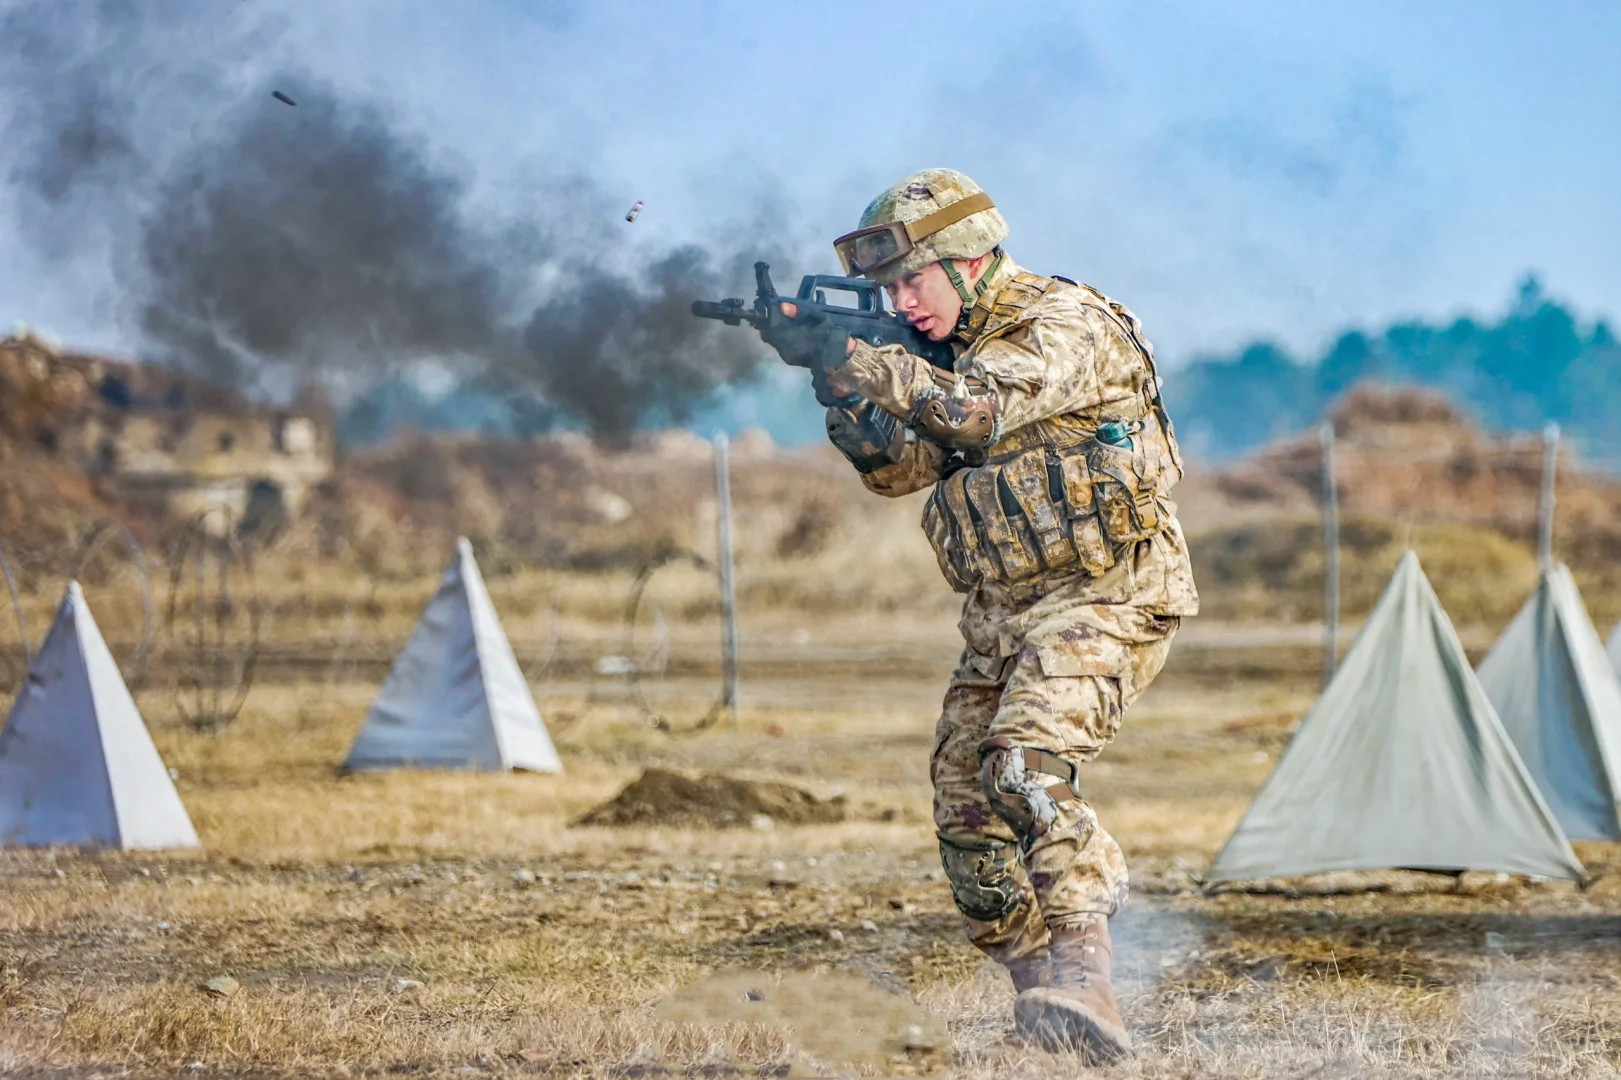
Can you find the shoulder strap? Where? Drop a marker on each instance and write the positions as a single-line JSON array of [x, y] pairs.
[[1133, 328]]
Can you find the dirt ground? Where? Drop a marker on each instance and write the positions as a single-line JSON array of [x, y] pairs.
[[430, 924]]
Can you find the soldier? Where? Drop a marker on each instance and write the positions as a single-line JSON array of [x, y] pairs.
[[1050, 456]]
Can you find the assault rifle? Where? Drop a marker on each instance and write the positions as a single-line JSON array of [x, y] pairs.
[[809, 331]]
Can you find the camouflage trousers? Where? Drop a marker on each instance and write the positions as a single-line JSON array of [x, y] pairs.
[[1064, 693]]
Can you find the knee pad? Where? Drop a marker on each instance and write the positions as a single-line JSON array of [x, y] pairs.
[[981, 877], [1011, 777]]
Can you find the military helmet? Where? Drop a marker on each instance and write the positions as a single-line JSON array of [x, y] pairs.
[[931, 215]]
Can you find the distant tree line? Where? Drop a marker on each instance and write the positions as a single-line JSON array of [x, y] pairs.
[[1535, 364]]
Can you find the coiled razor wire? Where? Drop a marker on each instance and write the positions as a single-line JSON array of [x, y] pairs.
[[633, 607], [554, 645], [354, 642], [91, 545], [212, 694], [554, 631], [16, 607]]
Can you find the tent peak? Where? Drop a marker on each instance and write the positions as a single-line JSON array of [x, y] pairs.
[[1551, 682]]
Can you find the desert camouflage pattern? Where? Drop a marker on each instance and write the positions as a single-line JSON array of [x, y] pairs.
[[1065, 691], [1052, 658], [1060, 359], [918, 465], [920, 195], [863, 436], [1048, 349]]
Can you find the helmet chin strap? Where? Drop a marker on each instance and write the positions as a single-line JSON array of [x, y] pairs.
[[968, 298]]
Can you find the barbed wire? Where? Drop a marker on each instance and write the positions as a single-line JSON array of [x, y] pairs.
[[219, 682], [633, 606], [554, 630], [17, 607], [89, 546]]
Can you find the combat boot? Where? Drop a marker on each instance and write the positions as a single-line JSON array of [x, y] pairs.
[[1030, 972], [1077, 1010]]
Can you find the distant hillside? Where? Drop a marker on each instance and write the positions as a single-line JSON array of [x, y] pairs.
[[1412, 471], [1538, 362]]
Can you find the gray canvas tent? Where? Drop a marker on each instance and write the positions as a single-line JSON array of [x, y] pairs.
[[1401, 764], [1560, 701], [455, 698], [77, 766]]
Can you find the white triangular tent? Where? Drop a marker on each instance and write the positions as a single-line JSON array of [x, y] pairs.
[[1559, 699], [1401, 764], [77, 766], [455, 698]]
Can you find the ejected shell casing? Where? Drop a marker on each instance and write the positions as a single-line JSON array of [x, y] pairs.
[[283, 98], [631, 216]]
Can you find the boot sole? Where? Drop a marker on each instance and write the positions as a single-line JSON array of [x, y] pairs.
[[1058, 1026]]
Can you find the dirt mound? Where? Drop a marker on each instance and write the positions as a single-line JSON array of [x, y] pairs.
[[662, 797]]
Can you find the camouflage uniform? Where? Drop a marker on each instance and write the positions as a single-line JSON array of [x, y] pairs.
[[1053, 657]]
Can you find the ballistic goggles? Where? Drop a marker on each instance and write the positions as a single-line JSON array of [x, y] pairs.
[[865, 250]]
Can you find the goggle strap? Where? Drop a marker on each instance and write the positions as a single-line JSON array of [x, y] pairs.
[[918, 230]]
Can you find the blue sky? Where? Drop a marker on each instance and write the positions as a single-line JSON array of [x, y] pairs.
[[1230, 171]]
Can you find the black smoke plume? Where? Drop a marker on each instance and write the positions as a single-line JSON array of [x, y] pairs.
[[321, 239], [618, 347], [268, 246]]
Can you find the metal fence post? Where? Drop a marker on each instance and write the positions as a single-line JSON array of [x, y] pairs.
[[728, 590], [1331, 557], [1550, 465]]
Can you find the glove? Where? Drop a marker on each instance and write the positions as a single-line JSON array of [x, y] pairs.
[[829, 397], [814, 344], [800, 342], [866, 435]]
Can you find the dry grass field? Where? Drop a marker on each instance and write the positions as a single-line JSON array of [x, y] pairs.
[[445, 924], [429, 924]]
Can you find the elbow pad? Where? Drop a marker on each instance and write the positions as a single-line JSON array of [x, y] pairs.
[[968, 422]]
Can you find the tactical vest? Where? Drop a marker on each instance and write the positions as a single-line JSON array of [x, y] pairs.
[[1054, 497]]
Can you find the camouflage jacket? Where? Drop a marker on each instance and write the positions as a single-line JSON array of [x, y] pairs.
[[1053, 357]]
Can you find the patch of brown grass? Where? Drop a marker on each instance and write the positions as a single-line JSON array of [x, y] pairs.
[[545, 949]]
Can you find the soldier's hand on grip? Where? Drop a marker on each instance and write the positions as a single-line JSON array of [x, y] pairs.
[[800, 341], [803, 339]]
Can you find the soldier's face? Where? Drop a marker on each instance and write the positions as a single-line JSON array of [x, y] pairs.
[[926, 299]]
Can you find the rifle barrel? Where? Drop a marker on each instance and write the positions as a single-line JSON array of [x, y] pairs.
[[730, 312]]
